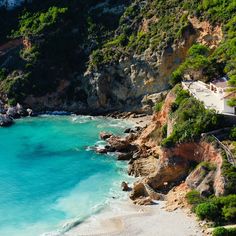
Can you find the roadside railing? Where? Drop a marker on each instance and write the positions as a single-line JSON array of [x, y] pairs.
[[229, 154]]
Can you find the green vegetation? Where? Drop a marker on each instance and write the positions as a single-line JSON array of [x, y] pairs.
[[191, 119], [207, 165], [232, 134], [164, 131], [68, 37], [221, 231], [194, 198], [219, 210], [60, 37], [37, 23], [158, 106], [197, 59], [229, 173], [207, 211], [3, 74]]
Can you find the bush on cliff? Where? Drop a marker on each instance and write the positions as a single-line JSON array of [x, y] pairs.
[[229, 173], [217, 209], [197, 59], [222, 231], [158, 106], [37, 23], [191, 119], [207, 211], [194, 198]]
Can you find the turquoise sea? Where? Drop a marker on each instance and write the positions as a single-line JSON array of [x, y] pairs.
[[50, 179]]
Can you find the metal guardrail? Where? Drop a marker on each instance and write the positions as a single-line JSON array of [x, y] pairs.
[[229, 154]]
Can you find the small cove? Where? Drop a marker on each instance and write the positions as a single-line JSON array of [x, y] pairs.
[[49, 179]]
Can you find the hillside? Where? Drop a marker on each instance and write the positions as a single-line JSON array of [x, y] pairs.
[[91, 57], [133, 58]]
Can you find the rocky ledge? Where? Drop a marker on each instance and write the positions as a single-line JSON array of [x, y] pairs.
[[122, 146]]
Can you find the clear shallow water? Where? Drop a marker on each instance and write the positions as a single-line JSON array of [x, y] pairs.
[[47, 176]]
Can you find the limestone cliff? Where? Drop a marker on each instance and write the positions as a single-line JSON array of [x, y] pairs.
[[102, 73]]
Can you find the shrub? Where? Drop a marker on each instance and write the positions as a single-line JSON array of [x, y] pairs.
[[194, 198], [37, 23], [3, 74], [208, 210], [220, 231], [207, 165], [229, 213], [159, 106], [231, 231], [232, 134], [164, 131], [191, 119], [175, 77], [229, 173], [217, 209], [198, 49]]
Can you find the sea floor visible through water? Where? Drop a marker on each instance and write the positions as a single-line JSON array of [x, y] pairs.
[[50, 180]]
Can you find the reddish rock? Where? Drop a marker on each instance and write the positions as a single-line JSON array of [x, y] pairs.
[[105, 135], [121, 144]]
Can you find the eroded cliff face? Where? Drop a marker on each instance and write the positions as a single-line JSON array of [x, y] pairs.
[[163, 168], [121, 86]]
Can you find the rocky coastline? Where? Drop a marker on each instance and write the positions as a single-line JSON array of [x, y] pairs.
[[166, 174], [163, 174]]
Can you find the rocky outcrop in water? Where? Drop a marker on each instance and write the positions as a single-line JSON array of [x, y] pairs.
[[197, 164], [5, 120]]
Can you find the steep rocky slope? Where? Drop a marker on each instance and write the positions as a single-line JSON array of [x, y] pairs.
[[100, 57]]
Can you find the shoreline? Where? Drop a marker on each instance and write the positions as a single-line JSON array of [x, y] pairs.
[[124, 218]]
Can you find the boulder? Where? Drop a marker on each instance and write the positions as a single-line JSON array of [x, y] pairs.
[[128, 130], [202, 179], [143, 201], [12, 112], [105, 135], [138, 191], [16, 111], [121, 144], [101, 150], [170, 170], [125, 187], [30, 112]]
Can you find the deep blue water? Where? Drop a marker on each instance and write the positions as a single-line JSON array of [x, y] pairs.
[[48, 176]]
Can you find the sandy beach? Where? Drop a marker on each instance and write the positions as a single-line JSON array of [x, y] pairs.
[[122, 218]]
